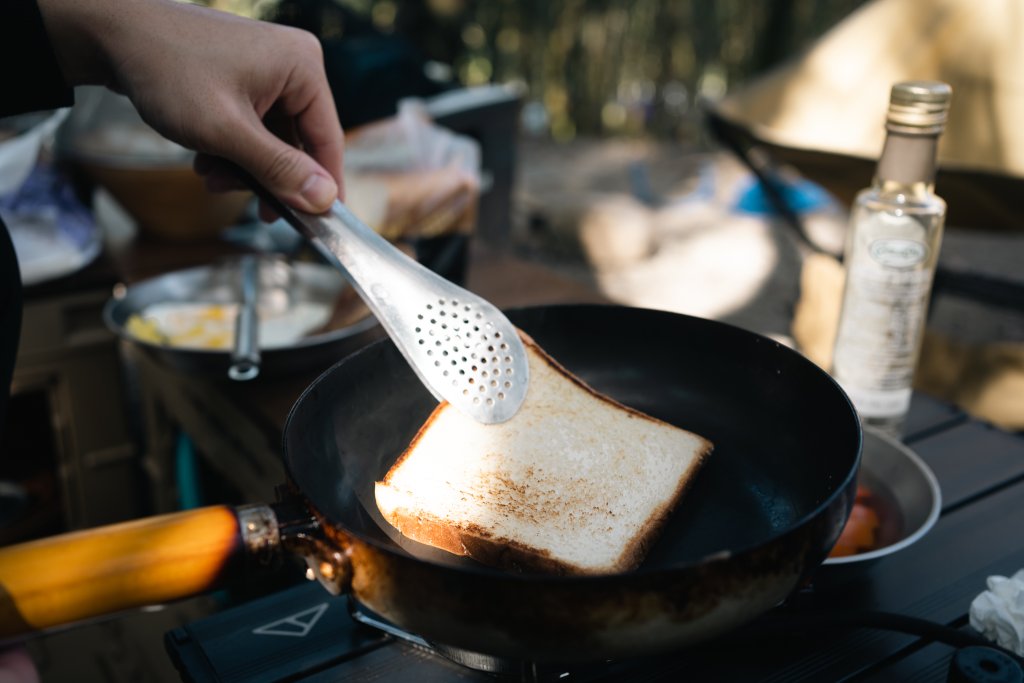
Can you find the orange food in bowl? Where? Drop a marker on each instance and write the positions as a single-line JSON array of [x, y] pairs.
[[861, 531]]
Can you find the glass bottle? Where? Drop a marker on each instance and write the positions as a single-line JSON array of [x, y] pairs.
[[892, 248]]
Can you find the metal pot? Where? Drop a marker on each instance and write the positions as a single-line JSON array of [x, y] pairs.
[[281, 284]]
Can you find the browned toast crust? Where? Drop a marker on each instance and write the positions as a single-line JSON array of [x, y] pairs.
[[637, 550], [475, 542]]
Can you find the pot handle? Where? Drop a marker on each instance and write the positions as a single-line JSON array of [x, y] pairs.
[[67, 578]]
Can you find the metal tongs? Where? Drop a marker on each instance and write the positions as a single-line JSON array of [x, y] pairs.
[[245, 354], [463, 349]]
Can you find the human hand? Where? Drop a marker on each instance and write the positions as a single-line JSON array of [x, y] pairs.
[[251, 92]]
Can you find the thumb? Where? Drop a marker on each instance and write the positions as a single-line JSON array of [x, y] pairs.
[[288, 173]]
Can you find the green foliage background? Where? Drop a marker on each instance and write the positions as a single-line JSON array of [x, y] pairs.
[[595, 67]]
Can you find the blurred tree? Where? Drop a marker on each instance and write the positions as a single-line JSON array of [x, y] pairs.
[[595, 66]]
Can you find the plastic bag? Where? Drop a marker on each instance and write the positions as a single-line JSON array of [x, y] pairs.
[[53, 233], [408, 178], [19, 153]]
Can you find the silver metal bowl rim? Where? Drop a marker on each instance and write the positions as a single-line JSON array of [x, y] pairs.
[[929, 522], [310, 341]]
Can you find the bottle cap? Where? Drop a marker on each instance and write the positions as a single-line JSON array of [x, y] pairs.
[[919, 107]]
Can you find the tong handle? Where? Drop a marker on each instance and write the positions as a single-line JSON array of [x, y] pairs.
[[386, 279], [245, 357]]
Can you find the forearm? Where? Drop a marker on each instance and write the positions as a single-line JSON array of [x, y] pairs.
[[95, 39], [75, 28]]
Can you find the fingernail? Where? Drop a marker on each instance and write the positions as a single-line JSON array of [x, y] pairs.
[[319, 191]]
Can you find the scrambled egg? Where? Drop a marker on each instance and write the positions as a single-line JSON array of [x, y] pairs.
[[194, 326], [144, 330], [212, 326]]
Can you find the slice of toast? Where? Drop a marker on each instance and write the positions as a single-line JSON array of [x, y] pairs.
[[574, 483]]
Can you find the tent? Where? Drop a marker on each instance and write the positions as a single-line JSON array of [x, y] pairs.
[[824, 112]]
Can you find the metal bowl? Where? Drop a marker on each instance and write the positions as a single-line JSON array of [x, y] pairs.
[[902, 479], [220, 284]]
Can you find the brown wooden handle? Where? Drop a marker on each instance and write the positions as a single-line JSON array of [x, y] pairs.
[[89, 573]]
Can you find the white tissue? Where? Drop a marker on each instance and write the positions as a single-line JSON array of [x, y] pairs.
[[998, 613]]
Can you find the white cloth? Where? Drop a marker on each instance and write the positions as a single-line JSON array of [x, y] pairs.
[[998, 613]]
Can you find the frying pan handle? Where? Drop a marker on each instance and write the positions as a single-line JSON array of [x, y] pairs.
[[75, 576]]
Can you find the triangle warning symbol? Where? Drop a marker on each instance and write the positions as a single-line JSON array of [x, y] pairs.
[[297, 625]]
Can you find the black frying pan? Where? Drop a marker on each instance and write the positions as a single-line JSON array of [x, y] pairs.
[[762, 514]]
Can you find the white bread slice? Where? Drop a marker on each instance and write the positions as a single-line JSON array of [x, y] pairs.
[[573, 483]]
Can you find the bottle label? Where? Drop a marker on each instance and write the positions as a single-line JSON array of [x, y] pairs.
[[883, 315], [895, 253]]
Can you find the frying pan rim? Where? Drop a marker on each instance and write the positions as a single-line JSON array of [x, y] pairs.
[[720, 555]]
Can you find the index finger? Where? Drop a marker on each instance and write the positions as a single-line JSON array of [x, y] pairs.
[[320, 131]]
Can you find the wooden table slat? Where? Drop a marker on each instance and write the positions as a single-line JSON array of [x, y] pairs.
[[930, 664], [970, 459], [928, 415]]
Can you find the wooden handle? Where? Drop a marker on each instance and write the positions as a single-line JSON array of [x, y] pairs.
[[89, 573]]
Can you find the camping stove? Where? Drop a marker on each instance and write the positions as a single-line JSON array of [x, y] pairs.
[[304, 634]]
